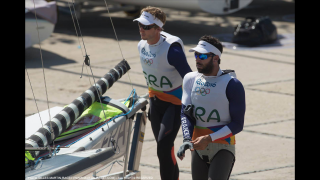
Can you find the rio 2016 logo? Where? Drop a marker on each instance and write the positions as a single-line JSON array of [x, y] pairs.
[[148, 61], [202, 91]]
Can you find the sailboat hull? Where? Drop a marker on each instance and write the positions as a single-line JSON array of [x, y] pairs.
[[40, 16], [72, 165], [31, 35], [83, 156]]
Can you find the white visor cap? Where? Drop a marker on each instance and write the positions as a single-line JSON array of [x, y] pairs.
[[205, 47], [147, 19]]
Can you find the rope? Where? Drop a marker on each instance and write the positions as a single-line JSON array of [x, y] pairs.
[[34, 98], [78, 42], [114, 29], [79, 27], [117, 39], [56, 150], [75, 29], [51, 129], [87, 60]]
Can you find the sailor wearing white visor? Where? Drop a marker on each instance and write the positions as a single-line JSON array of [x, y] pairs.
[[148, 19], [213, 108], [164, 64], [204, 50], [205, 47]]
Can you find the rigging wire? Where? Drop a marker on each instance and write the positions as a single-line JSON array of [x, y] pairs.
[[34, 98], [51, 129], [79, 27], [75, 29], [117, 39], [89, 77], [86, 56], [114, 29], [87, 61], [78, 42]]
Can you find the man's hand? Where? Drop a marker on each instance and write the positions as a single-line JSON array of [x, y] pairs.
[[201, 142], [186, 145]]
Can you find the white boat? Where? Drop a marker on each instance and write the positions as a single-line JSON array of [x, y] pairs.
[[44, 21], [93, 151], [82, 153]]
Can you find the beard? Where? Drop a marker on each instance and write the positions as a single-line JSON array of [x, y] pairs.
[[207, 69]]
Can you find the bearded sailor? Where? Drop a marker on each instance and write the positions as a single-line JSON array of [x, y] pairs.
[[213, 109], [164, 65]]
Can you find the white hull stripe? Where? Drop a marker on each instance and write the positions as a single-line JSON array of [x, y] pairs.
[[75, 109], [91, 95], [58, 123], [99, 88], [105, 81], [66, 115], [117, 72], [42, 137]]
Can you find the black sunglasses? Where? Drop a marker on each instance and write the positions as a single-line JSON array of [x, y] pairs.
[[146, 27], [203, 56]]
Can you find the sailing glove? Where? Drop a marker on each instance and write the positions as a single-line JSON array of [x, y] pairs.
[[186, 145]]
